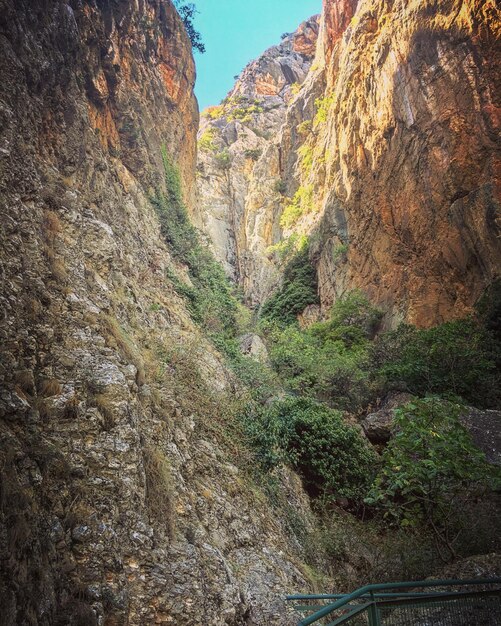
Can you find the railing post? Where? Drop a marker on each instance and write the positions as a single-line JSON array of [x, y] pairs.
[[374, 616]]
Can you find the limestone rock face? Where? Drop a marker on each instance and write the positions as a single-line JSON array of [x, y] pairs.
[[404, 169], [387, 154], [119, 502], [240, 182]]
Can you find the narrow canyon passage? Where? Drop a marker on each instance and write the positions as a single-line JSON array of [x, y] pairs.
[[254, 350]]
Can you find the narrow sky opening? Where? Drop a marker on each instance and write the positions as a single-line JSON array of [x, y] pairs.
[[235, 32]]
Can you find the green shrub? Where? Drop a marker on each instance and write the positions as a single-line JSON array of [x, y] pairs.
[[253, 154], [353, 320], [339, 251], [223, 159], [210, 297], [175, 225], [299, 289], [333, 459], [280, 186], [214, 112], [287, 247], [206, 141], [322, 369], [429, 467], [304, 127], [323, 105], [305, 154], [329, 360], [456, 358]]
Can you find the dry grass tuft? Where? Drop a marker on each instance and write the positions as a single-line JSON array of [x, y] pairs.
[[58, 271], [116, 337], [107, 409], [160, 497], [51, 387], [24, 380], [51, 224], [71, 408], [33, 308]]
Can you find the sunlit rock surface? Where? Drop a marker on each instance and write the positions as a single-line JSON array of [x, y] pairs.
[[241, 196]]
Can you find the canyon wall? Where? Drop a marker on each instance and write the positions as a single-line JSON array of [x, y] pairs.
[[240, 165], [121, 498], [389, 159], [406, 157]]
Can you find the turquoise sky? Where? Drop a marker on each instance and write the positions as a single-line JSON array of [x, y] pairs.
[[235, 32]]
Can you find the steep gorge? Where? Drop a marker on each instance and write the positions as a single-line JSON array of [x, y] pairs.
[[130, 492], [389, 159]]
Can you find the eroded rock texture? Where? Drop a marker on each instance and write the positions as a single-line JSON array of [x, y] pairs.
[[405, 159], [120, 503], [393, 145], [240, 162]]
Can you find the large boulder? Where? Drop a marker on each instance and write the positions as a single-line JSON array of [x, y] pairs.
[[377, 426]]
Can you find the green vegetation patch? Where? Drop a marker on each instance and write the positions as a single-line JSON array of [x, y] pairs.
[[300, 204], [210, 294], [299, 289], [332, 457]]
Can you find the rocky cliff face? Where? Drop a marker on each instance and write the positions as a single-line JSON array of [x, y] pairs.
[[240, 162], [404, 149], [388, 161], [121, 501]]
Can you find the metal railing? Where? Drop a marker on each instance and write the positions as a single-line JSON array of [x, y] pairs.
[[475, 602]]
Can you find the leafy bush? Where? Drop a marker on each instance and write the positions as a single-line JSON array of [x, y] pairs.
[[332, 457], [214, 112], [305, 154], [353, 320], [304, 127], [286, 248], [299, 289], [339, 251], [323, 105], [324, 370], [456, 357], [280, 186], [253, 154], [223, 159], [206, 140], [244, 113], [301, 203], [329, 360], [429, 466]]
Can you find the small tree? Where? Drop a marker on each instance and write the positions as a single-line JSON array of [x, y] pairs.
[[332, 457], [429, 467], [187, 12]]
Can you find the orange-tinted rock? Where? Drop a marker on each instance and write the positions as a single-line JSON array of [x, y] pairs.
[[304, 40], [406, 166]]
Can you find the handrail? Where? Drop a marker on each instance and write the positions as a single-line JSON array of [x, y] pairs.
[[370, 589]]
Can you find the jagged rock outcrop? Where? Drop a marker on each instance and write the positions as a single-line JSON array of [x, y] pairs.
[[120, 499], [403, 163], [240, 162]]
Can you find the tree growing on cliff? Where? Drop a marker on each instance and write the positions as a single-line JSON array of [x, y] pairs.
[[187, 11]]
